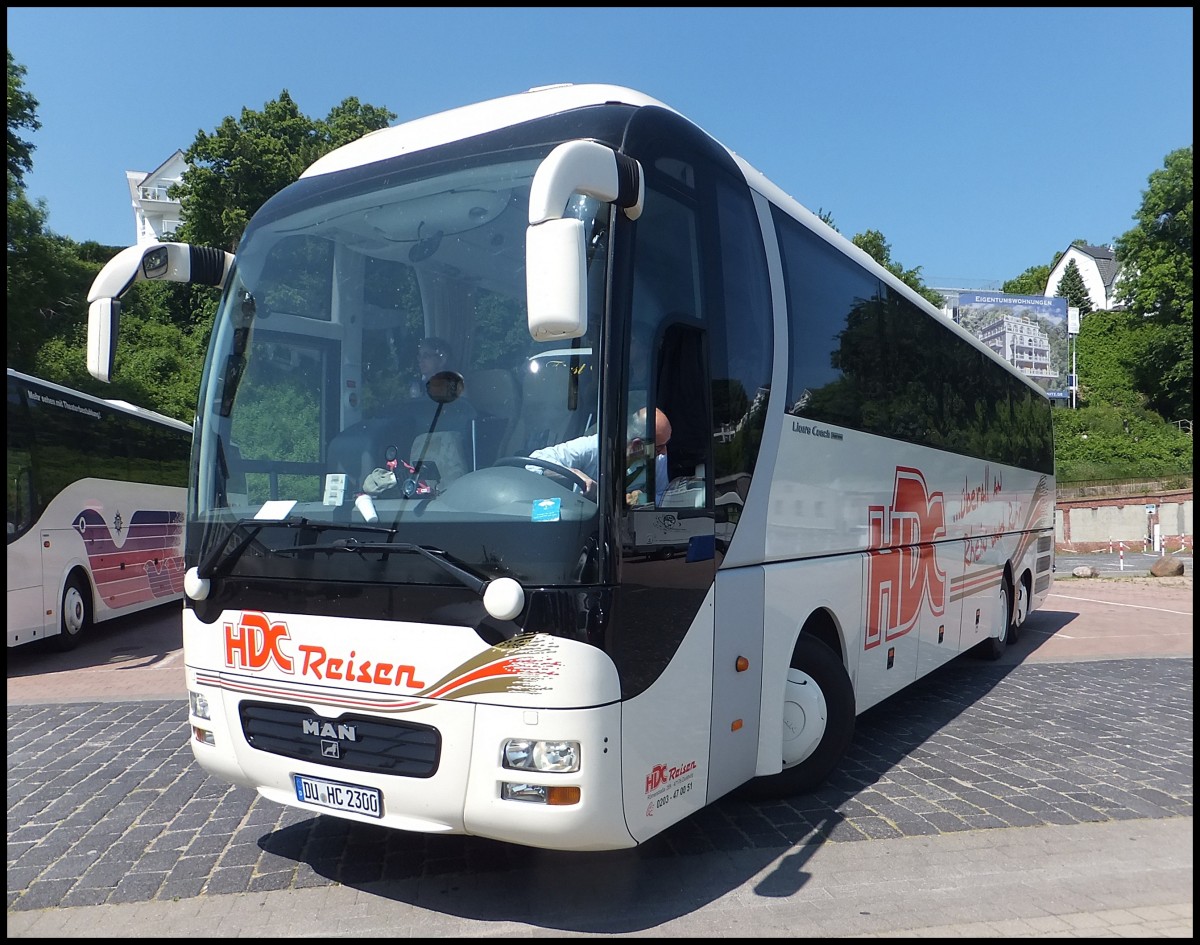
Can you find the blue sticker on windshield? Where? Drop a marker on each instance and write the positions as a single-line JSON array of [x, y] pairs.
[[546, 510]]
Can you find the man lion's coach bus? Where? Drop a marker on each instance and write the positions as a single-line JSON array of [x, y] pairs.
[[396, 614]]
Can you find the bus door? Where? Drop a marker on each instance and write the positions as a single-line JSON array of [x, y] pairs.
[[683, 382], [25, 610]]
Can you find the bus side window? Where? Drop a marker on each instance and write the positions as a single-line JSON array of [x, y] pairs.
[[20, 499]]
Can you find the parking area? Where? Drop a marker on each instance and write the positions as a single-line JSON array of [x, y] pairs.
[[1086, 721]]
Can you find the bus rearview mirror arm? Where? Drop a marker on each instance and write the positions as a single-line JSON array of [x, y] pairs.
[[164, 262]]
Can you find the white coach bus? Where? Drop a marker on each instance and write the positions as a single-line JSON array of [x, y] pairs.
[[95, 503], [395, 614]]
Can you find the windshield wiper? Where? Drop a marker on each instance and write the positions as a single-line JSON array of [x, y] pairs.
[[208, 566], [434, 555]]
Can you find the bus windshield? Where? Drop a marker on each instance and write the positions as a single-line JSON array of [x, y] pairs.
[[372, 369]]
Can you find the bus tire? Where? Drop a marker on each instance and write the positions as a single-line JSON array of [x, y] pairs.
[[1021, 610], [994, 646], [818, 722], [75, 615]]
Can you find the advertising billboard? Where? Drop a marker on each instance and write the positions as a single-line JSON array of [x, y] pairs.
[[1028, 331]]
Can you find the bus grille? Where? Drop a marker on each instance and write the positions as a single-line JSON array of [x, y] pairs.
[[353, 742]]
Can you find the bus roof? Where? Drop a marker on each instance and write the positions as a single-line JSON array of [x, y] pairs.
[[123, 405], [480, 117], [469, 120]]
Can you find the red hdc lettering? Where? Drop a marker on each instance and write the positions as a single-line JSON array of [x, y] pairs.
[[902, 571], [254, 643], [656, 778]]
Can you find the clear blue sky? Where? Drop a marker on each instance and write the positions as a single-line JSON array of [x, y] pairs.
[[980, 142]]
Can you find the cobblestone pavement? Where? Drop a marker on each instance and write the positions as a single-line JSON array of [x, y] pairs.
[[105, 805], [1048, 794]]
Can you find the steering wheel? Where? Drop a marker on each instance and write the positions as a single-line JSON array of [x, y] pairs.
[[566, 473]]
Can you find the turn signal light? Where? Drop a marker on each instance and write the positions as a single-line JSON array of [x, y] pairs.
[[562, 796]]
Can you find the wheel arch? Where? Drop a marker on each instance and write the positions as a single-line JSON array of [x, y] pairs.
[[79, 579], [817, 649], [76, 570], [824, 626]]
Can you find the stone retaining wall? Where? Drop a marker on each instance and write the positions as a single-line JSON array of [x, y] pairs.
[[1102, 524]]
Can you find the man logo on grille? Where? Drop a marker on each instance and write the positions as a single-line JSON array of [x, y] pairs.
[[330, 750]]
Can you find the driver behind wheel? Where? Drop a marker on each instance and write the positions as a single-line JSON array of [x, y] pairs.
[[581, 455]]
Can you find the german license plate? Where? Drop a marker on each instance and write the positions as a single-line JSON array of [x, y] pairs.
[[337, 795]]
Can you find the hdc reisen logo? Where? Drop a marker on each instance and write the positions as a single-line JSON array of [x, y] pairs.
[[902, 570]]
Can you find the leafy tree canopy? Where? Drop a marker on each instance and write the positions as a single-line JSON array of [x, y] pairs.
[[1156, 284], [22, 115], [1105, 344], [1104, 442], [237, 168], [873, 243], [1031, 282], [47, 278]]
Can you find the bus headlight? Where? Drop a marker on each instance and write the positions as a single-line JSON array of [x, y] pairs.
[[528, 754], [199, 705]]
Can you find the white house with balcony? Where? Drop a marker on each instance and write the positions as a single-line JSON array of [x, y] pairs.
[[156, 216]]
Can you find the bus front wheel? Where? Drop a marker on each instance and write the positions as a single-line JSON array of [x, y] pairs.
[[818, 722], [75, 615]]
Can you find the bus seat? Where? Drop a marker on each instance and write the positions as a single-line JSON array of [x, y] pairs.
[[444, 450], [361, 448], [352, 451], [494, 394]]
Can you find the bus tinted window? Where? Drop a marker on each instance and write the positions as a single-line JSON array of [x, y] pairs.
[[865, 356]]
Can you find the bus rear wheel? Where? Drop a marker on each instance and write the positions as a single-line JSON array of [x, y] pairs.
[[1021, 611], [994, 646], [75, 615], [818, 722]]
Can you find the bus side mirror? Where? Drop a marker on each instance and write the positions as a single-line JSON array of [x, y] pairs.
[[556, 279], [556, 245], [104, 316]]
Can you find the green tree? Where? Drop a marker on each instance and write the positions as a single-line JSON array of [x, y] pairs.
[[1156, 285], [1031, 282], [22, 114], [1071, 287], [236, 169], [348, 122], [47, 278], [873, 243], [827, 218], [47, 285], [1104, 343], [1106, 442], [878, 248]]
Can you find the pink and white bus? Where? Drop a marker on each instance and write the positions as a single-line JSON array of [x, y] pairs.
[[395, 614], [96, 496]]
